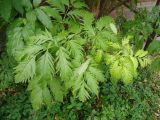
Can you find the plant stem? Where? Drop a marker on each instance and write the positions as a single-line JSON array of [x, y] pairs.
[[153, 34]]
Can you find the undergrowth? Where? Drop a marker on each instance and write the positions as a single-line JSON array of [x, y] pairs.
[[139, 101]]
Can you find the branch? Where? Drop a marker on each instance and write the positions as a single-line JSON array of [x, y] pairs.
[[150, 38], [157, 3], [153, 34], [104, 3]]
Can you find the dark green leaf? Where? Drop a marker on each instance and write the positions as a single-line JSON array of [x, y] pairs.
[[36, 2], [44, 18], [5, 9]]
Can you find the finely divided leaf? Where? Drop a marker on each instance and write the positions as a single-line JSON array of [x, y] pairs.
[[116, 71], [45, 66], [52, 12], [135, 65], [127, 76], [96, 73], [15, 40], [79, 4], [76, 51], [65, 2], [44, 18], [28, 51], [31, 16], [75, 48], [25, 70], [57, 89], [42, 38], [92, 83], [36, 97], [83, 94], [63, 64], [58, 4], [46, 95], [141, 53], [85, 80], [103, 22]]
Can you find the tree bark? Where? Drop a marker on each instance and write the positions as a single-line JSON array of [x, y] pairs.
[[128, 6], [105, 7]]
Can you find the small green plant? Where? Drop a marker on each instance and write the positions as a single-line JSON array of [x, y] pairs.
[[124, 62]]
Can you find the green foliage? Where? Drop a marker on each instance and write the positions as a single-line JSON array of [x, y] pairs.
[[74, 65], [60, 49], [5, 9], [123, 62], [10, 8], [146, 20], [11, 100], [25, 70], [149, 21], [136, 101], [6, 71], [86, 79]]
